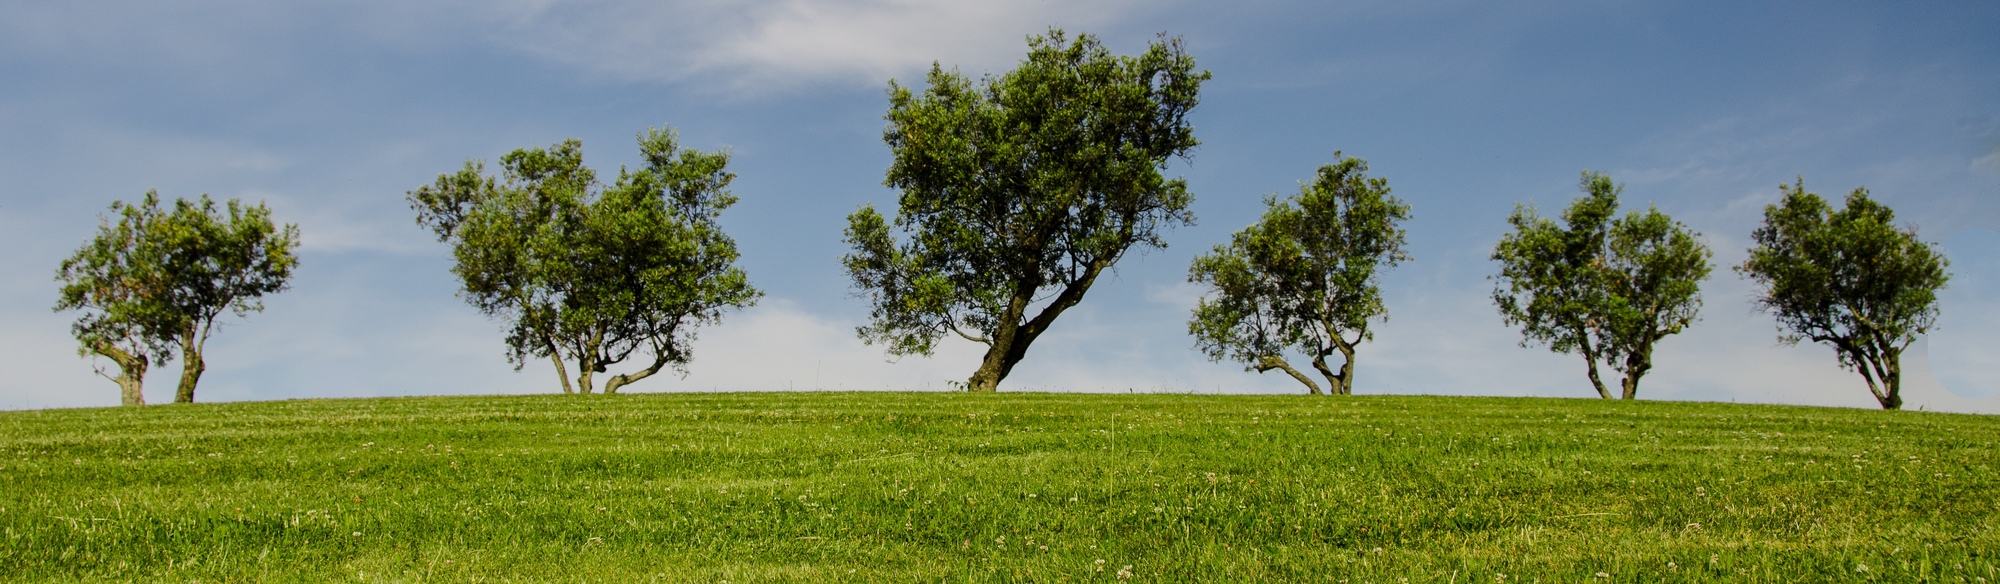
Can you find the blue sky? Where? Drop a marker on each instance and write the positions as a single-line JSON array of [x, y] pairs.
[[331, 111]]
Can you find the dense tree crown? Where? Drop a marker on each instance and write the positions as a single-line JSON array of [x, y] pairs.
[[587, 273], [1848, 278], [1017, 191], [1606, 288], [1304, 278], [158, 280]]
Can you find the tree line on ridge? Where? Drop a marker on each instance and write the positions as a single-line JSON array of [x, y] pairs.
[[1016, 191]]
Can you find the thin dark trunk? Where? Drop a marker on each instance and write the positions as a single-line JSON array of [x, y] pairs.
[[1333, 380], [1590, 358], [562, 371], [1343, 383], [1270, 362]]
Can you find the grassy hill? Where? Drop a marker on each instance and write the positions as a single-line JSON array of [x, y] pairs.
[[898, 487]]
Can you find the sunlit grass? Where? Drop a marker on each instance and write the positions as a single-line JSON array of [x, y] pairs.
[[867, 487]]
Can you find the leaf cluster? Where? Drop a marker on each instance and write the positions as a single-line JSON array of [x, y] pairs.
[[1847, 277], [1595, 283], [1305, 276], [162, 276], [590, 271], [1021, 188]]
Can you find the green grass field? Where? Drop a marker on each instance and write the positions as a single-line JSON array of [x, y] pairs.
[[900, 487]]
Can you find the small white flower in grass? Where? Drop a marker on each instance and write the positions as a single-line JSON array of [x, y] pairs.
[[1861, 567], [357, 534], [1125, 573], [1603, 575]]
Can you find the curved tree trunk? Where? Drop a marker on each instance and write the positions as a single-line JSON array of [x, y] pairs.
[[131, 373], [1270, 362], [1010, 342], [1590, 358], [562, 371], [617, 381]]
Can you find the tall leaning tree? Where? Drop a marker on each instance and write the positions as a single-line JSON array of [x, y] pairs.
[[1018, 191], [591, 274], [1304, 278], [159, 280], [1606, 287], [1848, 278]]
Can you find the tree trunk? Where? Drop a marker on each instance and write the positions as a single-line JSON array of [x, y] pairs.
[[1884, 373], [1343, 382], [994, 366], [1637, 363], [1590, 358], [192, 366], [562, 371], [1011, 340], [130, 385], [1270, 362], [659, 360], [131, 373], [1336, 382], [1892, 379], [587, 363]]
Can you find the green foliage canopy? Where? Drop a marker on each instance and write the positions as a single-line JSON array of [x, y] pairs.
[[1606, 288], [588, 273], [159, 279], [1018, 191], [1848, 278], [1305, 277]]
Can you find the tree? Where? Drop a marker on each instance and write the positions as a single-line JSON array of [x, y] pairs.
[[1303, 278], [1018, 191], [1608, 289], [593, 274], [159, 280], [1848, 278]]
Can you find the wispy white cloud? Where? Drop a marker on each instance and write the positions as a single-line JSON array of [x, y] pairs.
[[735, 46], [787, 43]]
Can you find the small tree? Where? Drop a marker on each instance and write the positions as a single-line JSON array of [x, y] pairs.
[[1848, 278], [159, 280], [1018, 191], [1608, 289], [593, 274], [1303, 278]]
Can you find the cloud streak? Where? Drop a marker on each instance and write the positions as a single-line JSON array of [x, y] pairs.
[[781, 44]]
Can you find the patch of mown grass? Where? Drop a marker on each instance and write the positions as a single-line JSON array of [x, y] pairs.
[[899, 487]]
